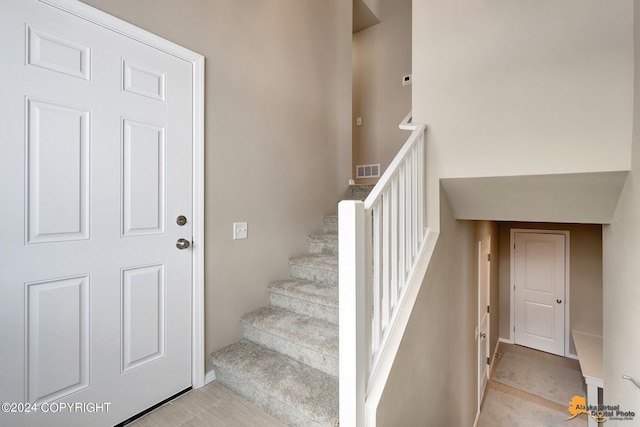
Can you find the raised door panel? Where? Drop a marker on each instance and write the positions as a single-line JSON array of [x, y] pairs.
[[143, 315], [143, 178], [540, 320], [540, 266], [55, 53], [58, 175], [57, 318], [144, 81]]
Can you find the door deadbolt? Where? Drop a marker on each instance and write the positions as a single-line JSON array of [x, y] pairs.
[[182, 244], [181, 220]]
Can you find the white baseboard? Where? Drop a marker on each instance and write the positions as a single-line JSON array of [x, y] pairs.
[[506, 340], [209, 377]]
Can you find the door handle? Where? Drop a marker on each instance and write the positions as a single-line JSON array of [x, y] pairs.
[[559, 301], [182, 244]]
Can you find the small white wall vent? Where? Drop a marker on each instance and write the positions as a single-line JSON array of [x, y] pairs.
[[368, 171]]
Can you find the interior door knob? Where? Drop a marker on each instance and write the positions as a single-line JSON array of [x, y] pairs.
[[559, 301], [182, 244]]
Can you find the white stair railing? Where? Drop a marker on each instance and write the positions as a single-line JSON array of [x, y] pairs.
[[381, 240]]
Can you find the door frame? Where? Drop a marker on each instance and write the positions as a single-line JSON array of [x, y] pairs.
[[119, 26], [481, 310], [567, 282]]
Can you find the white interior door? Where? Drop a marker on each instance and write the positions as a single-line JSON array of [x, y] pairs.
[[484, 275], [96, 165], [539, 280]]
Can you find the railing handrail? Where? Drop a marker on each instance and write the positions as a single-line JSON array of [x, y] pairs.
[[393, 166], [384, 245], [407, 122]]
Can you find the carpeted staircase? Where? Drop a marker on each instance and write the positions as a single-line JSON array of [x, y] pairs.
[[287, 361]]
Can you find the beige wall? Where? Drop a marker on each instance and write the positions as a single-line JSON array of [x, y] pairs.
[[277, 132], [585, 291], [375, 6], [381, 57], [434, 376], [621, 245], [522, 88]]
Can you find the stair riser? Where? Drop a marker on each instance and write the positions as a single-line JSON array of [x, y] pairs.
[[331, 225], [314, 274], [313, 358], [360, 192], [270, 404], [330, 314], [329, 249]]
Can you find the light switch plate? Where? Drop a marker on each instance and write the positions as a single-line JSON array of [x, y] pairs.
[[240, 230]]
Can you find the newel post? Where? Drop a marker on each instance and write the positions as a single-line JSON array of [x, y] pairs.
[[352, 313]]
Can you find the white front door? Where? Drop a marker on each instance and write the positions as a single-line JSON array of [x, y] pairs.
[[96, 165], [484, 275], [539, 280]]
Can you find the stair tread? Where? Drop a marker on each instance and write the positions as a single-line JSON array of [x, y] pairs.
[[319, 293], [323, 262], [319, 335], [323, 238], [296, 384]]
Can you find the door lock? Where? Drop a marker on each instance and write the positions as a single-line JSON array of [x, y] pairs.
[[182, 244]]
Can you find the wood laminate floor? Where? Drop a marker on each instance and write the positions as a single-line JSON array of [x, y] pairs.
[[210, 406], [216, 406]]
